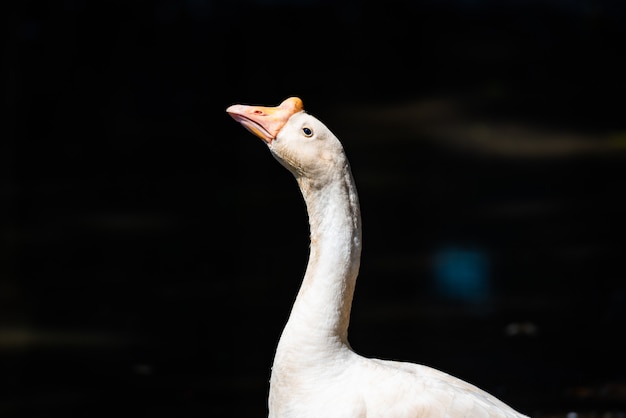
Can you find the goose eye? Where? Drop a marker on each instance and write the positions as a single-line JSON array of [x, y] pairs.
[[308, 132]]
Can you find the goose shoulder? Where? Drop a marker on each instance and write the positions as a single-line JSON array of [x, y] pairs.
[[400, 389]]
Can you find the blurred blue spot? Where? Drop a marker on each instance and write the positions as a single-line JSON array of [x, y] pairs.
[[462, 274], [29, 31]]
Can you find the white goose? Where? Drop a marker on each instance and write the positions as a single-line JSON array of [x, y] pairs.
[[315, 373]]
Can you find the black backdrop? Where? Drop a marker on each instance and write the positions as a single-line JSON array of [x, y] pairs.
[[151, 247]]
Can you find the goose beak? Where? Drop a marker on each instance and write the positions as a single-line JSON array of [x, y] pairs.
[[265, 122]]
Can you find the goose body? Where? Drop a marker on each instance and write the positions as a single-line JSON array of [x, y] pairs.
[[315, 372]]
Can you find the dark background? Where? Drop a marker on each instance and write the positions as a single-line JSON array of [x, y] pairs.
[[151, 247]]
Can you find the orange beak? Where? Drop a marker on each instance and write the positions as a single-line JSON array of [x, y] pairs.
[[266, 122]]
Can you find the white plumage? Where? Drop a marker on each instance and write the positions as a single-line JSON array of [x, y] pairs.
[[315, 371]]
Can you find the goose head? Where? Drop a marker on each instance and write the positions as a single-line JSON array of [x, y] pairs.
[[299, 141]]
